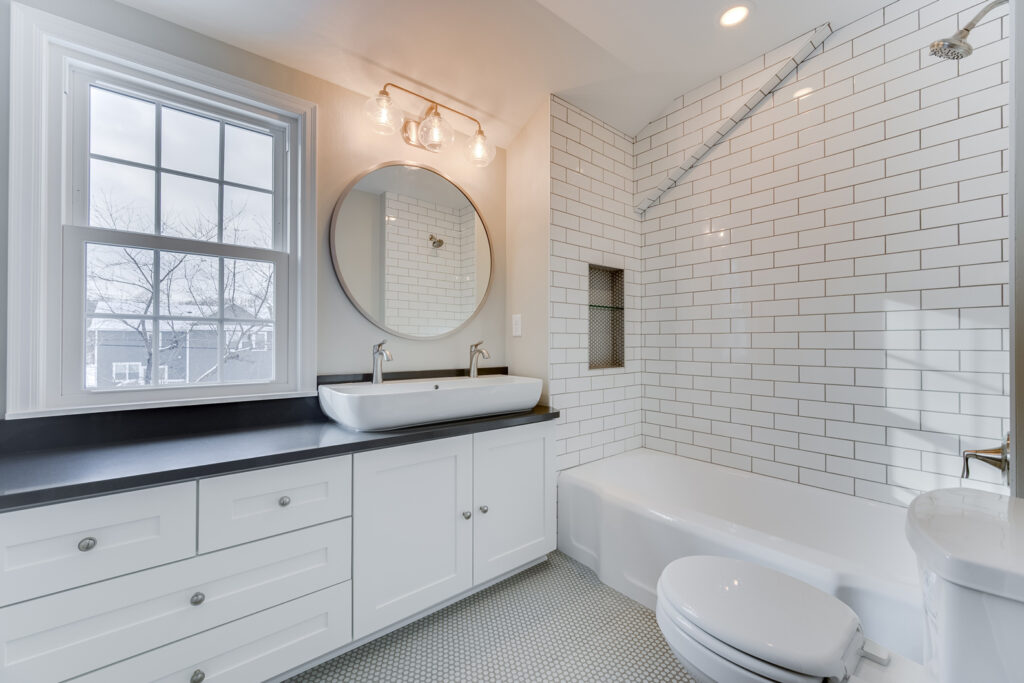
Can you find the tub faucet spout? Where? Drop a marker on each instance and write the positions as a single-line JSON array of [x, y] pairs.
[[997, 457]]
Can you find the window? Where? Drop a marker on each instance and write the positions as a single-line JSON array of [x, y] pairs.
[[159, 170], [171, 239], [126, 372]]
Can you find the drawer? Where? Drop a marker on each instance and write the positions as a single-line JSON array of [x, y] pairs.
[[71, 633], [47, 549], [251, 649], [237, 508]]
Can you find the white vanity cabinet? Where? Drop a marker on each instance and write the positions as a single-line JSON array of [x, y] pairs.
[[432, 520], [253, 575]]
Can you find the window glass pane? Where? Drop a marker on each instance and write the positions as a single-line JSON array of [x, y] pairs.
[[188, 207], [118, 353], [121, 197], [189, 143], [248, 352], [189, 285], [119, 280], [248, 217], [248, 290], [121, 126], [188, 353], [248, 157]]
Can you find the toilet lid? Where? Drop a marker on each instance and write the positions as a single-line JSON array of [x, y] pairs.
[[761, 612]]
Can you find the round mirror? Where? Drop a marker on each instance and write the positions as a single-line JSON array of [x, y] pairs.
[[411, 251]]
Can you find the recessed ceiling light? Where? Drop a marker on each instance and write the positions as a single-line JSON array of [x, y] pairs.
[[734, 15]]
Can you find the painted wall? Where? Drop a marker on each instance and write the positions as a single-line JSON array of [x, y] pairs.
[[826, 294], [361, 220], [529, 217], [345, 148], [592, 222]]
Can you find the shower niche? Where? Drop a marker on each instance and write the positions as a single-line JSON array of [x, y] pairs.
[[606, 304]]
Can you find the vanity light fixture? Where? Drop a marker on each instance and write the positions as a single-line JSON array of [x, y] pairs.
[[381, 111], [734, 15], [433, 133]]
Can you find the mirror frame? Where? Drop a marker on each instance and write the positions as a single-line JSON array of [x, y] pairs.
[[337, 265]]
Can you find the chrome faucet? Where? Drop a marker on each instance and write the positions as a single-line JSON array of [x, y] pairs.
[[997, 457], [380, 354], [475, 351]]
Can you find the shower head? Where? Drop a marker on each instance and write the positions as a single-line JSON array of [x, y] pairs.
[[957, 47], [952, 48], [436, 242]]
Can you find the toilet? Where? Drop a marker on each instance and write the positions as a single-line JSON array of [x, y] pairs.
[[734, 621]]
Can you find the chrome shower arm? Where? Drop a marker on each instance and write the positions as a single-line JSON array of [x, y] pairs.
[[969, 26]]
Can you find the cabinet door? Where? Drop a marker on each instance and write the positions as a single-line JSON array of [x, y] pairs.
[[514, 481], [411, 535]]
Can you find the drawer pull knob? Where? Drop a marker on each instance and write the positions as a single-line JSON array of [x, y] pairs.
[[284, 501], [467, 514], [197, 598], [484, 509], [87, 544], [197, 676]]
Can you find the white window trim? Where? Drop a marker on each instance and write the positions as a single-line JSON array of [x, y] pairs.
[[41, 46]]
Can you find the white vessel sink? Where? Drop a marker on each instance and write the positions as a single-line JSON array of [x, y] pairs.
[[363, 406]]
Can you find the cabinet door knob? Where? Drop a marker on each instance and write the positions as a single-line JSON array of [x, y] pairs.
[[197, 598], [467, 514], [87, 544], [284, 501], [197, 676], [484, 509]]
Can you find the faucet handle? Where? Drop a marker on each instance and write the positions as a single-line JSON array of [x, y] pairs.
[[473, 347], [380, 345]]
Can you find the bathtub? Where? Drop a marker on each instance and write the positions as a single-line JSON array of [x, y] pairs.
[[629, 515]]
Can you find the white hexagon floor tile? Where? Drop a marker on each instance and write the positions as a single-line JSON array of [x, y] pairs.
[[553, 622]]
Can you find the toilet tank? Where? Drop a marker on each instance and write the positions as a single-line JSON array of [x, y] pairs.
[[970, 553]]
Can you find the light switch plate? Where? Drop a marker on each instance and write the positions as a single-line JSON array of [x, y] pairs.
[[517, 324]]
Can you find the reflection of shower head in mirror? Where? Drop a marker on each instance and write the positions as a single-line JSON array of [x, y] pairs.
[[436, 242]]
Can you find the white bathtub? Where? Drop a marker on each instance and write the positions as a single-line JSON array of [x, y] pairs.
[[628, 516]]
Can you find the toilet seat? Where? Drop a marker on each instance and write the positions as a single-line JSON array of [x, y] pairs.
[[767, 624]]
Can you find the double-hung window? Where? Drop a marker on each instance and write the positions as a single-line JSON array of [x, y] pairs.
[[172, 240]]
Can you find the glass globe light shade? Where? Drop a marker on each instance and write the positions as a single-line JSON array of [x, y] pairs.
[[434, 132], [382, 113], [481, 151]]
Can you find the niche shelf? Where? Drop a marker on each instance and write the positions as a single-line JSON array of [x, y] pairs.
[[607, 309]]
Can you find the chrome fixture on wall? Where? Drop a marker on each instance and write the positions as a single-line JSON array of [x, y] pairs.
[[433, 133], [997, 457], [956, 46], [436, 242]]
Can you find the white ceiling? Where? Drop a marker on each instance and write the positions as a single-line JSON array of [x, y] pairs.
[[622, 61]]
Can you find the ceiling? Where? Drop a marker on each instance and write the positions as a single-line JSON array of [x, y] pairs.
[[623, 62]]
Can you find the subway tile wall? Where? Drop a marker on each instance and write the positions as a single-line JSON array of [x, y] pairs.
[[824, 297], [427, 290], [592, 221]]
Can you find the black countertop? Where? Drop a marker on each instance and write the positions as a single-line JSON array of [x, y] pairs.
[[36, 477]]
